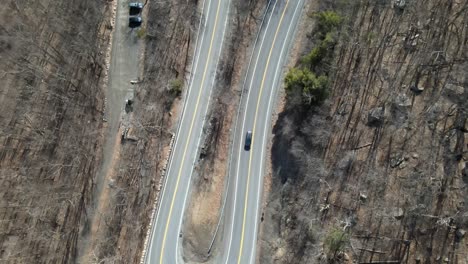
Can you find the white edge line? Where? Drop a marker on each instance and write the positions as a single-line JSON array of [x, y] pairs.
[[203, 122], [268, 120], [152, 226], [243, 125], [233, 135]]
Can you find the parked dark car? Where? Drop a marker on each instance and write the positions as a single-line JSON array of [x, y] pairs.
[[248, 140], [134, 21], [135, 8]]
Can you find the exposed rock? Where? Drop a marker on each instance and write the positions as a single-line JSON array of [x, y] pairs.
[[417, 89], [400, 109], [324, 207], [398, 213], [455, 93], [465, 173], [129, 135], [397, 160], [375, 118], [411, 40], [111, 183], [455, 89], [128, 105], [400, 4], [460, 233], [362, 197], [402, 101]]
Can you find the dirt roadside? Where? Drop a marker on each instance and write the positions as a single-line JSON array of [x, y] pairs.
[[122, 63], [144, 132]]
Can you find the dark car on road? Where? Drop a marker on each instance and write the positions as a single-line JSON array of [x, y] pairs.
[[248, 140]]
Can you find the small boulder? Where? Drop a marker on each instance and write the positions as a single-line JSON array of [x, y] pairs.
[[396, 160], [400, 4], [402, 101], [400, 109], [417, 89], [128, 105], [111, 183], [362, 197], [456, 90], [460, 233], [375, 118], [465, 173], [398, 213]]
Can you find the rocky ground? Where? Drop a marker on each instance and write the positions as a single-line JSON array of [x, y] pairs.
[[377, 173]]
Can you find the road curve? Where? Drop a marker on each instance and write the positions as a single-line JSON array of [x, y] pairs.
[[261, 84], [244, 190], [164, 235]]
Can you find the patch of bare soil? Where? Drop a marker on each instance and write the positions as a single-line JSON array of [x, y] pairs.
[[146, 132], [382, 162], [51, 72], [203, 211]]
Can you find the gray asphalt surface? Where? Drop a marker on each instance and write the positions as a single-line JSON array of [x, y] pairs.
[[241, 218], [164, 237], [262, 82]]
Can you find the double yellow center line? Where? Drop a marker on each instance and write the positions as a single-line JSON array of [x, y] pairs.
[[189, 135], [253, 131]]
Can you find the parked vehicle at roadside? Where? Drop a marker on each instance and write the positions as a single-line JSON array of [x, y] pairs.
[[135, 8], [135, 21]]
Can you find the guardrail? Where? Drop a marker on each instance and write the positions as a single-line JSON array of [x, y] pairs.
[[169, 159], [155, 204]]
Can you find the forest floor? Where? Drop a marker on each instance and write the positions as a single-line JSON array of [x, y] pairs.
[[383, 161], [52, 71], [79, 169]]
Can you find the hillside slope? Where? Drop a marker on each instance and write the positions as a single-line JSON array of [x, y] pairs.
[[378, 171], [51, 109]]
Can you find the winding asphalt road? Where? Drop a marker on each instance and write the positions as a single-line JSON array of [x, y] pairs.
[[261, 84], [244, 191], [164, 236]]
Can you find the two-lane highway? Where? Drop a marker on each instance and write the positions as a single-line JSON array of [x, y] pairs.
[[164, 235], [262, 82], [244, 191]]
